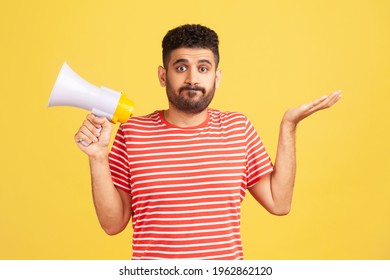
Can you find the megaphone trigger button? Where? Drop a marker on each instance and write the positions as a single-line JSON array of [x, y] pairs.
[[85, 144], [82, 142]]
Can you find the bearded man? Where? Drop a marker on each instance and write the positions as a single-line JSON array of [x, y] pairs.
[[182, 173]]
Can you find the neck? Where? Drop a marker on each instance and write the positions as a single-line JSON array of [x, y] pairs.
[[183, 119]]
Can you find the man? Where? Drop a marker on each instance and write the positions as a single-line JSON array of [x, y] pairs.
[[181, 173]]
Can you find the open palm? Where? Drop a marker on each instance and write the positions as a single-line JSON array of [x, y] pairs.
[[295, 115]]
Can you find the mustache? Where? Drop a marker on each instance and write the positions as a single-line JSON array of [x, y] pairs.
[[192, 88]]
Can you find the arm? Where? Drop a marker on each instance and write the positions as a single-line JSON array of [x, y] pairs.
[[275, 190], [113, 206]]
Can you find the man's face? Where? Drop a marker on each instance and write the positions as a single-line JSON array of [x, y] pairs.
[[190, 79]]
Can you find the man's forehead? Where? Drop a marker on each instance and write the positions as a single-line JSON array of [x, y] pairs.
[[192, 55]]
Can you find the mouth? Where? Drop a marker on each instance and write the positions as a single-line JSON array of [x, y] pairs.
[[191, 93], [192, 90]]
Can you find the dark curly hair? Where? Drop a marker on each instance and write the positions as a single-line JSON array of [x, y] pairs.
[[190, 36]]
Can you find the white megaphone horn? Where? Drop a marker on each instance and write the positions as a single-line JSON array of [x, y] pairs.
[[72, 90]]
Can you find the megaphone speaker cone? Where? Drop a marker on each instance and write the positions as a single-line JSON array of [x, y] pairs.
[[72, 90]]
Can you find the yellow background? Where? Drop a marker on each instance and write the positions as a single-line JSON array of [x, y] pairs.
[[274, 55]]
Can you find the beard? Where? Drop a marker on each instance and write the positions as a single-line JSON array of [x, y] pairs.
[[190, 99]]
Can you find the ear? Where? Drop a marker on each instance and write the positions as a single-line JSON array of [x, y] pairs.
[[218, 76], [162, 76]]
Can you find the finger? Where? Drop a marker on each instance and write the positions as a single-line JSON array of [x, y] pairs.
[[311, 107], [331, 100], [88, 134], [99, 122], [82, 139], [103, 122], [106, 126], [85, 144], [325, 102], [335, 97], [96, 121], [316, 102], [92, 127]]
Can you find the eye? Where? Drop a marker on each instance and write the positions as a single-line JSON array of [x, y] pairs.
[[203, 69], [181, 68]]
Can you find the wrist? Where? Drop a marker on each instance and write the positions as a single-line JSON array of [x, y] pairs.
[[99, 156], [288, 125]]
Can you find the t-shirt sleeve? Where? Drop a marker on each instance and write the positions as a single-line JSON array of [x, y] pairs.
[[119, 164], [258, 162]]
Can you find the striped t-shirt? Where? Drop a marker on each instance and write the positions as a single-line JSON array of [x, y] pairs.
[[187, 184]]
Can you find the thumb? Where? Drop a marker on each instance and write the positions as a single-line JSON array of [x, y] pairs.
[[104, 129]]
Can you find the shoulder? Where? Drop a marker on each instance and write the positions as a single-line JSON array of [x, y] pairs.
[[141, 125], [227, 116], [146, 120]]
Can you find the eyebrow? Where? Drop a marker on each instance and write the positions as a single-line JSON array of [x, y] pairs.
[[205, 61], [181, 60]]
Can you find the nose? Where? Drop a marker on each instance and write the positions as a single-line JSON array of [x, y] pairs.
[[192, 77]]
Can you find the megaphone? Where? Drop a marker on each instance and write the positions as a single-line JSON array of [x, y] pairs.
[[72, 90]]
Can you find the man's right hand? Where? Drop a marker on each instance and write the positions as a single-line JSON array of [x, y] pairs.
[[112, 205], [93, 137]]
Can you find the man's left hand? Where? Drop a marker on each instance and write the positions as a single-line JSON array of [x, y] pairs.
[[294, 116]]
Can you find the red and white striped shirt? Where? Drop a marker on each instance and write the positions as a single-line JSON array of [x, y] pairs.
[[187, 184]]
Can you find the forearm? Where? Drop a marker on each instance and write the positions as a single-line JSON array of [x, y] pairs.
[[107, 200], [275, 190], [283, 176]]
